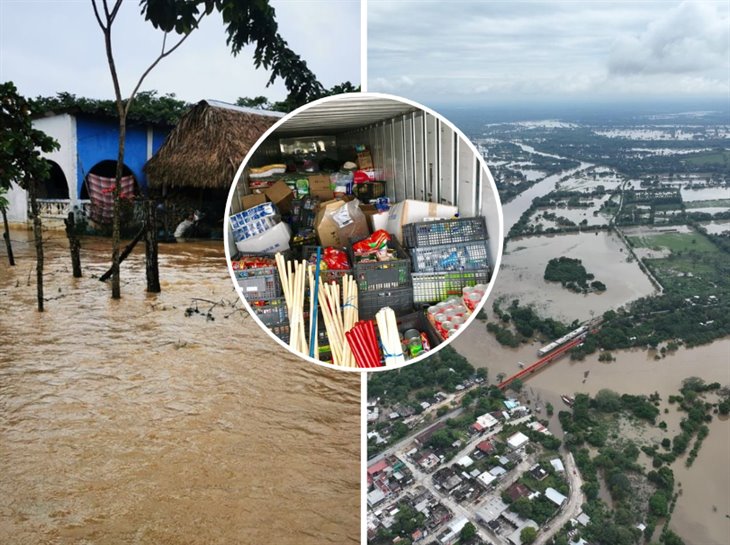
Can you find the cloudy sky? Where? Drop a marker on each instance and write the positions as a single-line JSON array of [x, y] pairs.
[[52, 46], [465, 52]]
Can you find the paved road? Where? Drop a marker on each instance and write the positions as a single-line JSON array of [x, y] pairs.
[[573, 508]]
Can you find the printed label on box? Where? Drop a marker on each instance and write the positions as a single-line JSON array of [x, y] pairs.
[[342, 217]]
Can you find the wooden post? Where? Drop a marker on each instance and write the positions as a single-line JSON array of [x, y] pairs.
[[74, 244], [38, 236], [150, 246], [6, 236]]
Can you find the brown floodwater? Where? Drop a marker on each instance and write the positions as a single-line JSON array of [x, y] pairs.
[[521, 275], [702, 514], [125, 422]]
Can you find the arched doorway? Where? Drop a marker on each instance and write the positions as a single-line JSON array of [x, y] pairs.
[[98, 187], [55, 186], [107, 169]]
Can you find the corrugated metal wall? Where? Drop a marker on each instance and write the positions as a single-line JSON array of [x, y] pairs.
[[422, 158]]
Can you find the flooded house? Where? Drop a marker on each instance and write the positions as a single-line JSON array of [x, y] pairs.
[[85, 161], [194, 168]]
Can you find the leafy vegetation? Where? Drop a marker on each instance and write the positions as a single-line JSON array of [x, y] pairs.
[[526, 323], [445, 370], [147, 107], [571, 274]]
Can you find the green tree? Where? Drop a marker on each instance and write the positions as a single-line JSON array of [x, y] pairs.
[[607, 401], [148, 106], [528, 535], [467, 532], [4, 204], [247, 22], [659, 505], [20, 161]]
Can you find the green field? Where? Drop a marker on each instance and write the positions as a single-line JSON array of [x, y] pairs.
[[695, 266], [675, 242], [709, 158], [708, 204]]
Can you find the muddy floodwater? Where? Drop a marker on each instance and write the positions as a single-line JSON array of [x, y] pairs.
[[603, 254], [702, 514], [126, 422]]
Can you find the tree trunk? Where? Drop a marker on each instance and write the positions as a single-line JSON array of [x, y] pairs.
[[38, 236], [150, 245], [74, 244], [116, 290], [6, 236]]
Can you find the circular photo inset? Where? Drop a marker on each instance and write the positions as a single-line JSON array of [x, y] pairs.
[[364, 232]]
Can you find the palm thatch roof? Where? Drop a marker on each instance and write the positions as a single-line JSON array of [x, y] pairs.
[[207, 146]]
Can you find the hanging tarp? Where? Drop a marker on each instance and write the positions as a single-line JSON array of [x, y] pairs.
[[101, 193]]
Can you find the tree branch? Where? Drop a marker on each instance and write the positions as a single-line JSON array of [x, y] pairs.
[[115, 10], [98, 17], [161, 56]]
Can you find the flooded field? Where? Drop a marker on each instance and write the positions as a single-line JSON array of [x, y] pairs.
[[717, 227], [602, 253], [589, 214], [125, 422], [702, 511], [705, 194]]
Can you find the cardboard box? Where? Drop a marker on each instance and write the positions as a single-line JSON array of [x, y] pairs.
[[281, 195], [339, 221], [376, 220], [320, 186], [274, 240], [249, 201], [364, 160], [409, 211]]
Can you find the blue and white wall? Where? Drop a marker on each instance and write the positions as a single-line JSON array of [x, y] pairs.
[[85, 141]]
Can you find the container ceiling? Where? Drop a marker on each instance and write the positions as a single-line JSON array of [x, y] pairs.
[[342, 115]]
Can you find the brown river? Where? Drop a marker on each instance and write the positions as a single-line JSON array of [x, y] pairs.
[[702, 514], [126, 422]]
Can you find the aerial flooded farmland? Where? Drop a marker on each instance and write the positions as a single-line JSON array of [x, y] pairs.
[[644, 205], [604, 347]]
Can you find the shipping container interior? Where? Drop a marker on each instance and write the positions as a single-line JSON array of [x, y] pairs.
[[419, 156]]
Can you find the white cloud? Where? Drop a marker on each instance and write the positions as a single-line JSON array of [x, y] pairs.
[[468, 51], [690, 38], [391, 84]]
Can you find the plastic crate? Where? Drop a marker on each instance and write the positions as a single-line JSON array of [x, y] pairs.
[[281, 330], [330, 275], [434, 287], [383, 275], [369, 190], [400, 300], [287, 254], [432, 233], [460, 256], [259, 284], [273, 312], [418, 320]]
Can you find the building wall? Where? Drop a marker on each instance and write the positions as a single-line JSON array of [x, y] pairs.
[[18, 209], [85, 141], [63, 129], [98, 140]]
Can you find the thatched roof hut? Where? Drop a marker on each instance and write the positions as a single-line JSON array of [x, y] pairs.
[[207, 146]]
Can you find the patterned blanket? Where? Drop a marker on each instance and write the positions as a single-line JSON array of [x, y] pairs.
[[101, 194]]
